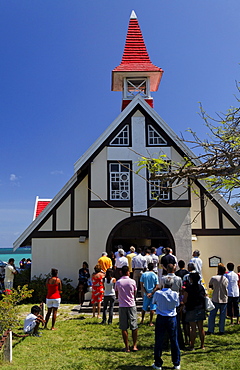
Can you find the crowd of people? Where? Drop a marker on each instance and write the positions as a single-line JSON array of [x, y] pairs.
[[175, 293]]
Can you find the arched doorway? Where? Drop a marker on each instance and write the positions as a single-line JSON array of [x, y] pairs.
[[139, 231]]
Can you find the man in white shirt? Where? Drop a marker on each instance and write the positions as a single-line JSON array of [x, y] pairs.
[[121, 261], [139, 265], [197, 261], [10, 271], [233, 293]]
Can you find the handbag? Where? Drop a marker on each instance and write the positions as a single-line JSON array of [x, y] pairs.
[[209, 306]]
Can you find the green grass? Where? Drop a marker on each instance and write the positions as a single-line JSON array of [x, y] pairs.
[[81, 343]]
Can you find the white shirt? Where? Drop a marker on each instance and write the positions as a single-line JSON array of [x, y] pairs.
[[29, 323], [233, 290], [198, 264], [121, 261], [9, 273]]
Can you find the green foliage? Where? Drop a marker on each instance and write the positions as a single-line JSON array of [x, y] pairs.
[[9, 307]]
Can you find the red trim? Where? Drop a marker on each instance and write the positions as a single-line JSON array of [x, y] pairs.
[[126, 102]]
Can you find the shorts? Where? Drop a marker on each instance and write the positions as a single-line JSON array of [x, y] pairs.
[[195, 315], [128, 318], [53, 302], [147, 302]]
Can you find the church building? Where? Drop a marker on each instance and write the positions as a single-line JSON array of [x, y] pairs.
[[106, 204]]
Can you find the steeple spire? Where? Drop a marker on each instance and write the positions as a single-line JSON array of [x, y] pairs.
[[135, 66]]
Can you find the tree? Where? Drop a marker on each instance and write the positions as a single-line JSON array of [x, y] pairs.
[[218, 162]]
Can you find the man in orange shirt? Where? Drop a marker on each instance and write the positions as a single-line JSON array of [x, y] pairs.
[[105, 262]]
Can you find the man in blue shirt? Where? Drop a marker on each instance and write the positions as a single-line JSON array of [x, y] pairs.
[[149, 284], [166, 301]]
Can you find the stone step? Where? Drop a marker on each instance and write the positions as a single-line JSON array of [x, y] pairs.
[[87, 306]]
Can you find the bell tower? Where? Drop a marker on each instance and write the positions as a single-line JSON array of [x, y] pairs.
[[136, 74]]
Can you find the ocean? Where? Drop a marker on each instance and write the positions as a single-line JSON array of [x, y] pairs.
[[6, 253]]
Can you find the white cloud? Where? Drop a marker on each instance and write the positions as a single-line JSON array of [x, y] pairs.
[[14, 179]]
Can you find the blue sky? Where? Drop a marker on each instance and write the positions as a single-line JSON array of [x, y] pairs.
[[55, 82]]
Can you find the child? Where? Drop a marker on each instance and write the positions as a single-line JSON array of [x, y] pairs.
[[32, 321]]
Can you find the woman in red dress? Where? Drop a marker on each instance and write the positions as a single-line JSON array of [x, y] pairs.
[[97, 290], [53, 299]]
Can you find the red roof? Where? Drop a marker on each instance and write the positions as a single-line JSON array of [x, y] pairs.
[[135, 56], [40, 205]]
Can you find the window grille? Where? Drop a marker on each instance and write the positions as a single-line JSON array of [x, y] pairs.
[[119, 181], [122, 138], [159, 189], [154, 138]]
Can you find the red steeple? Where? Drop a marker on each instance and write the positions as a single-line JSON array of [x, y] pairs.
[[135, 61]]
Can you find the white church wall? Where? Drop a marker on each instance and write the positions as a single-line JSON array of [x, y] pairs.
[[177, 220], [196, 208], [226, 247], [99, 176], [179, 191], [63, 215], [65, 254], [47, 226], [101, 222], [81, 205], [211, 214]]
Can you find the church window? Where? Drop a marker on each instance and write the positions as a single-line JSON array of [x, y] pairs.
[[119, 181], [154, 138], [158, 189], [122, 138]]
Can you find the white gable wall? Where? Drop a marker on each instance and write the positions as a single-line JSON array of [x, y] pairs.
[[178, 222], [101, 222], [81, 205], [65, 254]]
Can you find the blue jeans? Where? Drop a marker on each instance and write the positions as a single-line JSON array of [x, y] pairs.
[[110, 299], [166, 324], [211, 320]]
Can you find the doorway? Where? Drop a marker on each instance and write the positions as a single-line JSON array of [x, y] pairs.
[[139, 231]]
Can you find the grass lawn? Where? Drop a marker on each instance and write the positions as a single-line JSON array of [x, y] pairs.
[[82, 343]]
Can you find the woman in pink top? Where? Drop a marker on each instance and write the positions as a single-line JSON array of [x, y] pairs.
[[53, 299]]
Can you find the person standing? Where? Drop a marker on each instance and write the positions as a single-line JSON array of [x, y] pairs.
[[219, 284], [121, 261], [233, 293], [166, 301], [53, 299], [97, 290], [154, 260], [10, 271], [149, 284], [167, 259], [139, 265], [130, 256], [194, 299], [105, 262], [83, 276], [109, 296], [182, 271], [197, 261], [125, 293]]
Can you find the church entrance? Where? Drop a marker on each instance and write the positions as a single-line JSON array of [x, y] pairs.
[[139, 231]]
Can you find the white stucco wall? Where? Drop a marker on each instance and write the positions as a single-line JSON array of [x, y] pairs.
[[81, 205], [63, 215], [177, 221], [99, 176], [64, 254], [101, 222], [226, 247]]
